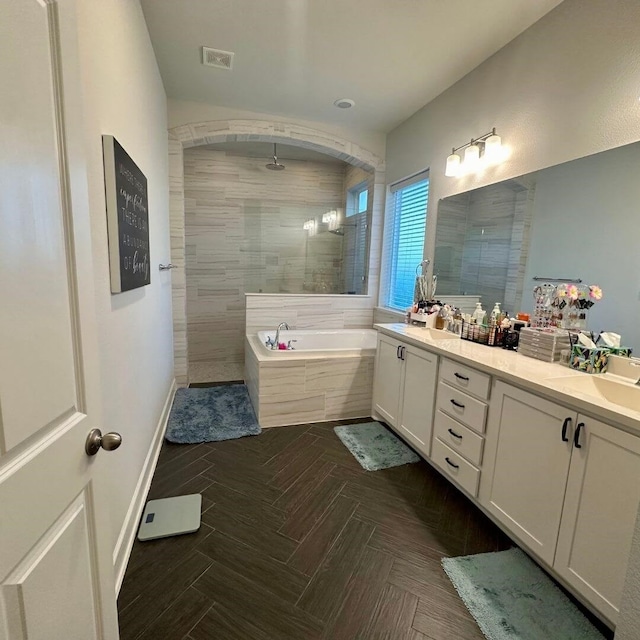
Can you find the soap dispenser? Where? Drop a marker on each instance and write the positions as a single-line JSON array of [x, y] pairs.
[[479, 313], [496, 313]]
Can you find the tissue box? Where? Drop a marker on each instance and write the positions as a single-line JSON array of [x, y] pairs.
[[590, 360]]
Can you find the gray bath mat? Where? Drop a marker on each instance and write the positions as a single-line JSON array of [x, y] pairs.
[[374, 446], [210, 414], [511, 598]]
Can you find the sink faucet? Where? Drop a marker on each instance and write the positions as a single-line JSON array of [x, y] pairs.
[[282, 325]]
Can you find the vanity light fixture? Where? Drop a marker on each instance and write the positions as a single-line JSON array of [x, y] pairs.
[[486, 149], [330, 218]]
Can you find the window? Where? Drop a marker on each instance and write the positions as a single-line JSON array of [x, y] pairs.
[[405, 225], [357, 200]]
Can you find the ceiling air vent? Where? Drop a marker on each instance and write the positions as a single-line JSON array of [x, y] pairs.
[[217, 58]]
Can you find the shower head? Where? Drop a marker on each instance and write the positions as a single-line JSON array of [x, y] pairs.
[[275, 165]]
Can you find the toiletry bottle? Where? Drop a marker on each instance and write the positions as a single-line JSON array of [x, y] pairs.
[[495, 313], [479, 313]]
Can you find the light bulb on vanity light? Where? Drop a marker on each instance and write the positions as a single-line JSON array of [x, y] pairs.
[[471, 157], [493, 148], [453, 165]]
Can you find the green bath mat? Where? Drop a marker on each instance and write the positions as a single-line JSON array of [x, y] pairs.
[[511, 598], [374, 446]]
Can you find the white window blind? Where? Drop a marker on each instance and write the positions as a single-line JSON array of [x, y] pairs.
[[405, 225]]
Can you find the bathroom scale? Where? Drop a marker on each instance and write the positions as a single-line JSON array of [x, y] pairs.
[[170, 517]]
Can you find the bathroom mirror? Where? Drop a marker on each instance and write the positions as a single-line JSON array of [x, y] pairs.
[[577, 220]]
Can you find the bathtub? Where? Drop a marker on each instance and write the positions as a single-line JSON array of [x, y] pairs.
[[327, 376], [318, 342]]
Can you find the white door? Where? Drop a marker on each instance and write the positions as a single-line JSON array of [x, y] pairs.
[[599, 516], [526, 466], [56, 570], [418, 397], [388, 380]]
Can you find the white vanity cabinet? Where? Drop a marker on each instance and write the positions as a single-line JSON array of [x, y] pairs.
[[599, 515], [526, 466], [404, 390], [567, 486], [459, 423]]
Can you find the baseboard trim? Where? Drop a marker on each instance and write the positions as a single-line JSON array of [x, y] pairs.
[[127, 536]]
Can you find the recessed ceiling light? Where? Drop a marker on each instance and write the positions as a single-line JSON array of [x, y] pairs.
[[344, 103]]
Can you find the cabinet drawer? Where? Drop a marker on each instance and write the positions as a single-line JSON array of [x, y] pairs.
[[456, 467], [466, 442], [462, 407], [468, 380]]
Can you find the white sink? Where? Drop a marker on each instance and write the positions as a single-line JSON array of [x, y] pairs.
[[441, 334], [624, 394]]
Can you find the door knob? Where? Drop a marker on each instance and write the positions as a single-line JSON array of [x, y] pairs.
[[95, 440]]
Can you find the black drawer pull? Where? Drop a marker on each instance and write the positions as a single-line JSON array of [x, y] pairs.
[[454, 434], [456, 404], [565, 426], [452, 464], [576, 435], [461, 377], [398, 352], [402, 350]]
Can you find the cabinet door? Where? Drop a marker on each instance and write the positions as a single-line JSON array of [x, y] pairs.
[[418, 397], [601, 504], [386, 389], [526, 467]]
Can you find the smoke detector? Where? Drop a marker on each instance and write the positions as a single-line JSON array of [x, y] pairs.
[[344, 103], [217, 58]]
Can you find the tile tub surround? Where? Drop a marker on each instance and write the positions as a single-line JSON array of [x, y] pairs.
[[266, 311], [301, 389], [213, 131]]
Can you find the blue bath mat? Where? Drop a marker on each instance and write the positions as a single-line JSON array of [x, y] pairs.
[[210, 414], [511, 598], [375, 447]]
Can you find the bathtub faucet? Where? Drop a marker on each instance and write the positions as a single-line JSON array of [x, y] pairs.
[[282, 325]]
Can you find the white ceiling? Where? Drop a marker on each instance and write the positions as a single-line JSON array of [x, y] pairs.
[[295, 57]]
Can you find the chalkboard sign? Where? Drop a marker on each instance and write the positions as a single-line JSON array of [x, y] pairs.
[[127, 218]]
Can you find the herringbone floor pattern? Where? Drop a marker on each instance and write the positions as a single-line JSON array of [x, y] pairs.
[[299, 542]]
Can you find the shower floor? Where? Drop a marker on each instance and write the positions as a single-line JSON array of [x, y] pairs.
[[215, 371]]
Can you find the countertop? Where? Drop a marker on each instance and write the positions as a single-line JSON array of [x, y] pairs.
[[527, 373]]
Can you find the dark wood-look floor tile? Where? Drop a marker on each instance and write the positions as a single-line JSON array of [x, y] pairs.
[[171, 452], [151, 560], [316, 545], [288, 455], [383, 507], [238, 526], [443, 616], [254, 607], [326, 590], [222, 623], [301, 521], [165, 486], [290, 474], [252, 480], [367, 547], [394, 615], [419, 574], [362, 596], [271, 575], [304, 486], [176, 621], [250, 450], [248, 508], [135, 618]]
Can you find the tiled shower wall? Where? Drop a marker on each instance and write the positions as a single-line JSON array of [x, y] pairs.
[[482, 243], [234, 209]]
